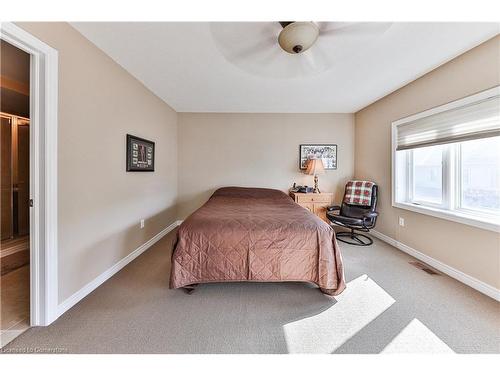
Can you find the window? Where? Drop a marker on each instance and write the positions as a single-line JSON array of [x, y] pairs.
[[427, 181], [446, 161], [480, 175]]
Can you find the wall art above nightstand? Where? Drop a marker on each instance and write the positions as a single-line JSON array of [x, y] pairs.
[[326, 152]]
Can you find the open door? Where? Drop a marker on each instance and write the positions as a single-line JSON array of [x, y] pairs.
[[15, 192]]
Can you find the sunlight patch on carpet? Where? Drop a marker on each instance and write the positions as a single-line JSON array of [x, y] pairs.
[[361, 302], [417, 338]]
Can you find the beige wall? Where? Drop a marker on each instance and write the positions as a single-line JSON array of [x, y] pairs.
[[100, 205], [260, 150], [468, 249]]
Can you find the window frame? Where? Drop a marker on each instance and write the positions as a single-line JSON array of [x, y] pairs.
[[451, 208]]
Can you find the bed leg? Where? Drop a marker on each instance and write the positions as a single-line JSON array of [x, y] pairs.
[[328, 292], [189, 289]]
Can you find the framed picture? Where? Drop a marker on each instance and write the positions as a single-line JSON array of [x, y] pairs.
[[140, 154], [318, 151]]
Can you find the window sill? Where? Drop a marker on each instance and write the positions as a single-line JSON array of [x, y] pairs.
[[458, 217]]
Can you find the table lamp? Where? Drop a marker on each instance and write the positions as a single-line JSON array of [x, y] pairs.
[[315, 167]]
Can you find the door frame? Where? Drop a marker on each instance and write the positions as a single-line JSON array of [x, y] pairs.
[[43, 172]]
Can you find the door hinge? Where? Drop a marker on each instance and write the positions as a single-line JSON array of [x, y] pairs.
[[31, 203]]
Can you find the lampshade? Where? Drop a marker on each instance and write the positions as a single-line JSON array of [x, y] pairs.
[[315, 167]]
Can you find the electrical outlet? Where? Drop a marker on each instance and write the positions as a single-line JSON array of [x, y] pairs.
[[142, 223], [401, 221]]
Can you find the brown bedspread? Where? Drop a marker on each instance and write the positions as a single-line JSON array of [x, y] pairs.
[[250, 234]]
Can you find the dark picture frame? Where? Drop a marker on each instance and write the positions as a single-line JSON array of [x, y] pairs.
[[140, 154], [327, 152]]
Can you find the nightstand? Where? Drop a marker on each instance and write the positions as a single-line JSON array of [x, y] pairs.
[[314, 202]]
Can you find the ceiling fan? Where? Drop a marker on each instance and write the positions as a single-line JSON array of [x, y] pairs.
[[258, 47]]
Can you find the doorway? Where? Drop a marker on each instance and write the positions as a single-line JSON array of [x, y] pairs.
[[42, 126], [15, 191]]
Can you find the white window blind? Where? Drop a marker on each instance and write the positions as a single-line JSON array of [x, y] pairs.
[[473, 120]]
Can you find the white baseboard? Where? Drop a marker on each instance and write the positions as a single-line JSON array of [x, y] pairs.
[[91, 286], [474, 283]]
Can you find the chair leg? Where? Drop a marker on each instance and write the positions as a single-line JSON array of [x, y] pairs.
[[354, 238]]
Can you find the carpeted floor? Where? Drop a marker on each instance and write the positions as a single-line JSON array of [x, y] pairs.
[[388, 306]]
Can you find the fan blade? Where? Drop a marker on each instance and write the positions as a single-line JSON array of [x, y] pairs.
[[259, 47], [322, 60], [315, 60], [257, 38], [324, 26], [355, 29]]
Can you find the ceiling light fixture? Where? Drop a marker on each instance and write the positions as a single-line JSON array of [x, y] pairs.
[[297, 37]]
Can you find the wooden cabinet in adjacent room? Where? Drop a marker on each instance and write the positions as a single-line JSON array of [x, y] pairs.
[[6, 178], [15, 176]]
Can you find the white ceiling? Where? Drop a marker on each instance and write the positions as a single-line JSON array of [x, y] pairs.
[[239, 67]]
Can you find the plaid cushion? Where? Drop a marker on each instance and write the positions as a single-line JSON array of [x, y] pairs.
[[358, 193]]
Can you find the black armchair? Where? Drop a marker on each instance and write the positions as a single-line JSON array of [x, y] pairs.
[[355, 217]]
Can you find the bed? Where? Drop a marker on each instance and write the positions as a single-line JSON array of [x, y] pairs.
[[259, 235]]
